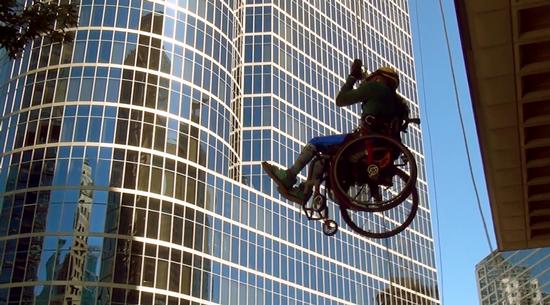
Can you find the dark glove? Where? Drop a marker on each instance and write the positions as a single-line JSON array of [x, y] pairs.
[[356, 69]]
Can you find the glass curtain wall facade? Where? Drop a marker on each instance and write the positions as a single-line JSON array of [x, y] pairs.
[[515, 278], [130, 168]]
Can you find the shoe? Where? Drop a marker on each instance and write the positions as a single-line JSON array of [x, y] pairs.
[[296, 194], [281, 177]]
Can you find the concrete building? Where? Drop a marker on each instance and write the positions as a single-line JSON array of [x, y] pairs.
[[506, 46]]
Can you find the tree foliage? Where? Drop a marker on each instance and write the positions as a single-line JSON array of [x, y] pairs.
[[21, 24]]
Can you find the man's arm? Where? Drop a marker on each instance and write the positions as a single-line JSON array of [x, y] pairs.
[[342, 98], [355, 74], [349, 96]]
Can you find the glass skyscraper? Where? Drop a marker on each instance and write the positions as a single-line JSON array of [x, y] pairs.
[[130, 168], [515, 277]]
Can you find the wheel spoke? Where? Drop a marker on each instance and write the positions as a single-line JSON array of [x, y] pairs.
[[361, 197], [359, 192]]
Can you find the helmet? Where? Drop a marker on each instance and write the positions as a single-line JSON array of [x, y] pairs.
[[389, 73]]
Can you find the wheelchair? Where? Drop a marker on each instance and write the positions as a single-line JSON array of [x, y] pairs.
[[372, 179]]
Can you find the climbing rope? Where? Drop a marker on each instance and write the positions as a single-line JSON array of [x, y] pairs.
[[457, 100]]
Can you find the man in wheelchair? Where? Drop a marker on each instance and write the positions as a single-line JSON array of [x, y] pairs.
[[381, 108]]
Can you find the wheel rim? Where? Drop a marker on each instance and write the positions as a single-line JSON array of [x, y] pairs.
[[348, 164], [386, 223]]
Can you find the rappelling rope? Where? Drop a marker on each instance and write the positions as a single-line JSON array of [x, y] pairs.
[[463, 128]]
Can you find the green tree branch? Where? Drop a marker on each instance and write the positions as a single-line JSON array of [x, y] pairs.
[[19, 25]]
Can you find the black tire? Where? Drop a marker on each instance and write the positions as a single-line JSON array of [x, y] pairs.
[[340, 186], [411, 213]]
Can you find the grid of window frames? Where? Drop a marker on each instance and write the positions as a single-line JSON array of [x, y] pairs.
[[295, 64], [117, 152], [514, 277]]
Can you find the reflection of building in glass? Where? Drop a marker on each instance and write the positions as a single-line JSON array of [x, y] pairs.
[[44, 293], [515, 277], [79, 248], [70, 294], [169, 109], [74, 267]]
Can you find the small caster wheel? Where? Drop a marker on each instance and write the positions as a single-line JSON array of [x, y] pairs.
[[330, 227]]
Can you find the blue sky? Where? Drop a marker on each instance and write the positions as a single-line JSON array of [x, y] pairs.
[[460, 238]]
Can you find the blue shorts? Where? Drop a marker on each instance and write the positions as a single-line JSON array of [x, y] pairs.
[[324, 143]]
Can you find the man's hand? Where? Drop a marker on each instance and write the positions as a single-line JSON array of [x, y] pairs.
[[356, 69]]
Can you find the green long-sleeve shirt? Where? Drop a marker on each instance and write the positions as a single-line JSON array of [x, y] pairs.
[[376, 98]]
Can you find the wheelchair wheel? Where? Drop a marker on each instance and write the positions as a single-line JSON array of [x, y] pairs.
[[370, 197], [370, 180], [383, 224], [330, 227]]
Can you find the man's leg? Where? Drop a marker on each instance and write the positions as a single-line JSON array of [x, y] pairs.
[[314, 177], [326, 143], [286, 179]]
